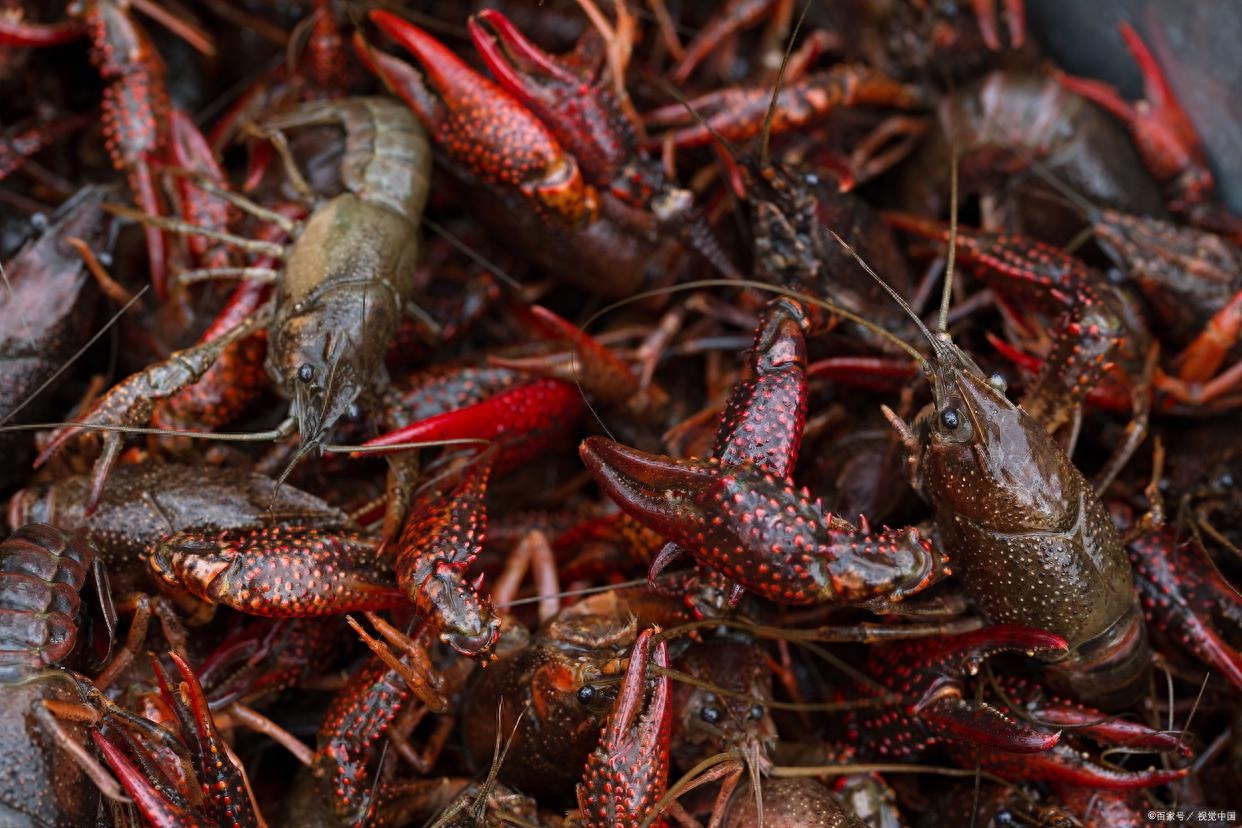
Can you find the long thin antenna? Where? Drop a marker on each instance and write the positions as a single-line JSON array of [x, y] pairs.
[[946, 293], [107, 327], [935, 343], [781, 291], [766, 135]]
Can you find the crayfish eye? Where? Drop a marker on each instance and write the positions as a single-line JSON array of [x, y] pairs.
[[586, 693], [756, 711], [711, 714], [951, 418], [306, 373]]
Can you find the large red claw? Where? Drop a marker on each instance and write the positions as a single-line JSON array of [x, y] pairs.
[[928, 675], [1182, 593], [441, 538], [153, 805], [524, 420], [1068, 766], [483, 129], [757, 530], [628, 772], [952, 716], [583, 113]]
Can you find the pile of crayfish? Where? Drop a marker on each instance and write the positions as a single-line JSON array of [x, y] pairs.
[[610, 414]]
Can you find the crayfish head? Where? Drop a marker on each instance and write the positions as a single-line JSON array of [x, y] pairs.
[[981, 457], [322, 383]]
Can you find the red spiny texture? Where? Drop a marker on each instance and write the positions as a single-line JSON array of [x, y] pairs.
[[758, 530], [1094, 323], [762, 424], [489, 136], [358, 718], [223, 783], [928, 675], [524, 420], [628, 772], [440, 540], [763, 420], [135, 112], [280, 572], [574, 100], [1183, 598]]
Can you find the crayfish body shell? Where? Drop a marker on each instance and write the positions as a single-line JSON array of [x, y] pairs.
[[42, 570], [1027, 533], [351, 271]]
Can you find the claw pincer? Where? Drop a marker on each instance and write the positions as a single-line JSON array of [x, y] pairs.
[[628, 772], [928, 678], [487, 134], [739, 513], [758, 529]]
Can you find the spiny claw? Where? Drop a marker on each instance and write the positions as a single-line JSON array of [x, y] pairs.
[[483, 129], [1087, 721], [960, 655], [522, 420], [582, 112], [151, 801], [628, 772], [1182, 594], [948, 714], [1068, 766], [280, 572], [928, 675], [758, 530], [223, 781], [440, 540]]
